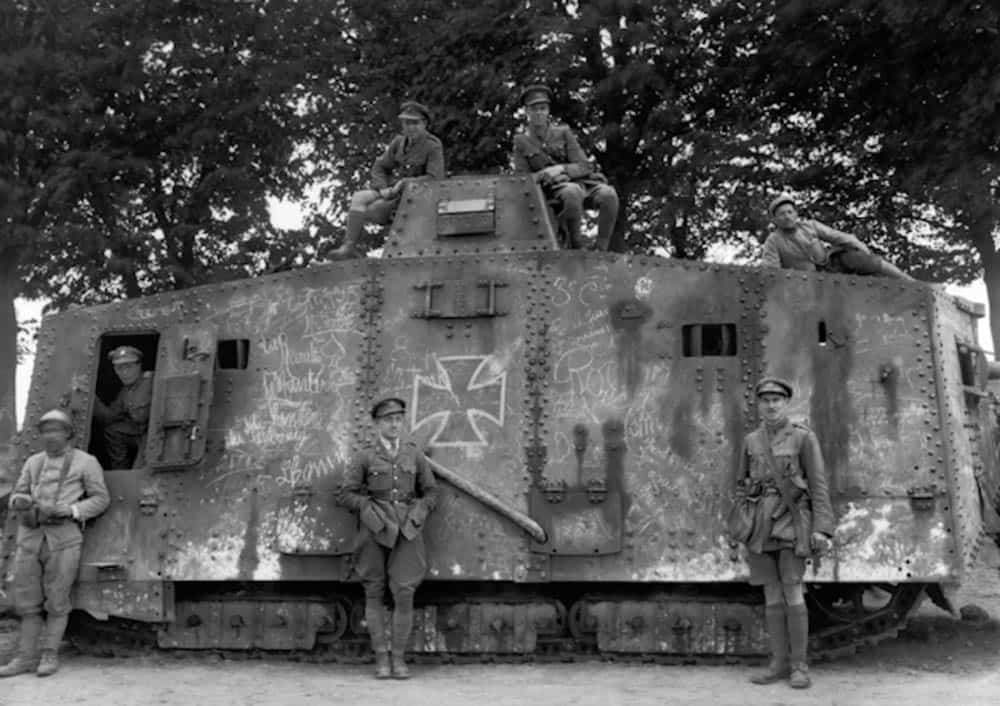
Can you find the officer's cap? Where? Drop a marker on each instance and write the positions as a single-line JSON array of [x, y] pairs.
[[387, 406], [781, 198], [125, 354], [775, 386], [414, 111], [535, 93], [56, 416]]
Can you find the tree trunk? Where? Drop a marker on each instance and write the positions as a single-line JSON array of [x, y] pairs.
[[982, 236], [9, 285]]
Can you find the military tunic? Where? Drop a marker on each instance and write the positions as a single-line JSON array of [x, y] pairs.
[[558, 145], [125, 422], [48, 555], [403, 158], [392, 493], [778, 528], [806, 248], [582, 187]]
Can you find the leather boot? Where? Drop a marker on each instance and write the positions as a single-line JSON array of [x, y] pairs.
[[52, 635], [798, 642], [402, 626], [48, 664], [375, 617], [355, 225], [606, 217], [777, 633], [31, 628]]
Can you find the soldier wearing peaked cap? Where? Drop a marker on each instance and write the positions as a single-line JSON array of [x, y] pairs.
[[781, 470], [391, 487], [58, 488], [551, 152], [413, 155], [806, 244], [125, 420]]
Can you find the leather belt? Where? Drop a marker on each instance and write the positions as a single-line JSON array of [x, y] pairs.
[[393, 497]]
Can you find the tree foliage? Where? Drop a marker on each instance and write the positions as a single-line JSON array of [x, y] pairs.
[[892, 112], [142, 141]]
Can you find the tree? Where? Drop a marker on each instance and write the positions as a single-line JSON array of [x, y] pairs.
[[900, 107], [34, 123], [639, 82], [141, 141]]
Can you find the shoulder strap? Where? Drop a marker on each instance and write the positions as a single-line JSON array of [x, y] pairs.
[[772, 463], [64, 472]]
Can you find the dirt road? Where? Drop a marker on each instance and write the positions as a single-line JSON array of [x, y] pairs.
[[938, 660], [87, 681]]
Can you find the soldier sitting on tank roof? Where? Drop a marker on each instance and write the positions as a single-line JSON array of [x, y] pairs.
[[551, 152], [413, 155], [806, 244], [124, 421]]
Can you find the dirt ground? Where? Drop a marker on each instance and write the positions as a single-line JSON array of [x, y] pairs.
[[938, 659]]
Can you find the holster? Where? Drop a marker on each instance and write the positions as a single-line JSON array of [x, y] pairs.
[[30, 518], [795, 501]]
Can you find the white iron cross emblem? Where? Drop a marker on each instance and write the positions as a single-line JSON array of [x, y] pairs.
[[465, 390]]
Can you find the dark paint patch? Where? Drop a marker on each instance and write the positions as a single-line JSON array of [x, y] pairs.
[[888, 375], [248, 556], [613, 431], [580, 440], [831, 409], [627, 317], [680, 424]]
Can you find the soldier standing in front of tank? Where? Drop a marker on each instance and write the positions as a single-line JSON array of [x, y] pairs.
[[125, 420], [806, 244], [782, 465], [551, 152], [413, 155], [58, 489], [391, 487]]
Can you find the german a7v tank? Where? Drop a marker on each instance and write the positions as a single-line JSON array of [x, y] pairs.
[[584, 412]]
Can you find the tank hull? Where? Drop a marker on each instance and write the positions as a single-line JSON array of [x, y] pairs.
[[603, 397]]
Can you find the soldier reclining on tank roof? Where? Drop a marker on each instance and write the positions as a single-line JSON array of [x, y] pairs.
[[802, 244], [550, 151], [414, 154]]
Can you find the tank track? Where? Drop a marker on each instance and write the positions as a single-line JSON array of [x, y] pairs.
[[842, 620]]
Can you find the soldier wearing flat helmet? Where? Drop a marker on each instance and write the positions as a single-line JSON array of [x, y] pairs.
[[805, 244], [58, 488]]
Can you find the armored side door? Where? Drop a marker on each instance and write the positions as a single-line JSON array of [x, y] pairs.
[[182, 397]]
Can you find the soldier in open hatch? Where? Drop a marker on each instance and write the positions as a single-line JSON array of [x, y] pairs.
[[125, 420], [58, 490], [806, 244], [782, 480], [414, 154], [391, 487], [551, 152]]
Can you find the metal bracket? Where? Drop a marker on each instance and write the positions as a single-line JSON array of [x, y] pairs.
[[922, 497], [453, 302]]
